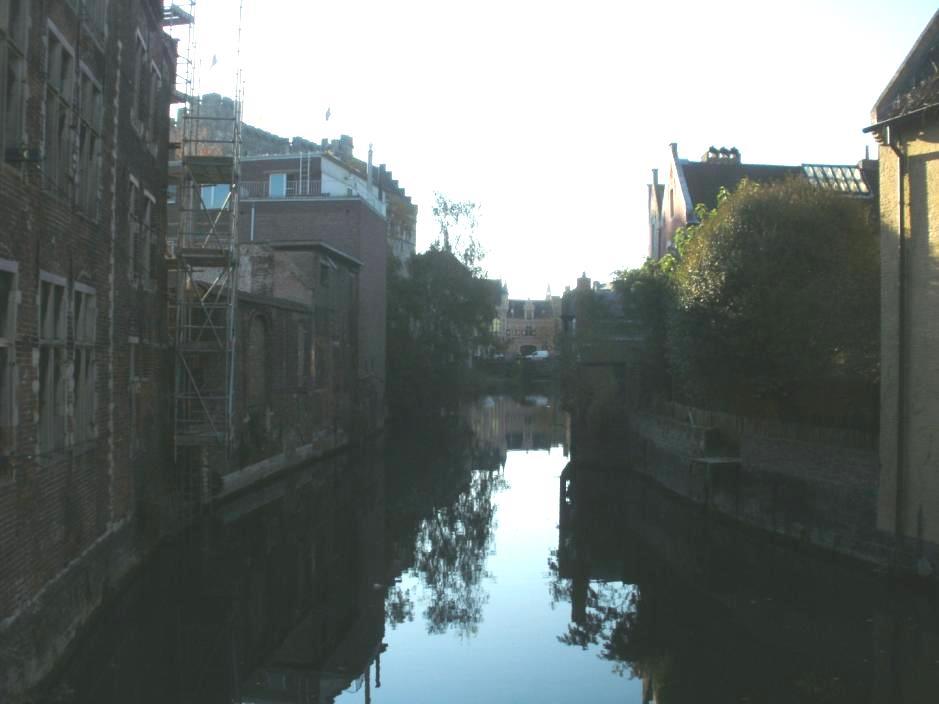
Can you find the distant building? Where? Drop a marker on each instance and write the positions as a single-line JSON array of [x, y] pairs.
[[688, 183], [523, 326], [906, 123]]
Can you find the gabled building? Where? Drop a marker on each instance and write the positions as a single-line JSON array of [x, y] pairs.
[[691, 183], [523, 326], [906, 124]]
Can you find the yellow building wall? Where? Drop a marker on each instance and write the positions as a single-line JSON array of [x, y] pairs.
[[916, 416]]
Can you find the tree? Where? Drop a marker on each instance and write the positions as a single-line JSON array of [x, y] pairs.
[[456, 225], [439, 311], [776, 293]]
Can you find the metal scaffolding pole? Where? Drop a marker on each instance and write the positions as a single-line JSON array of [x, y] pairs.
[[203, 255]]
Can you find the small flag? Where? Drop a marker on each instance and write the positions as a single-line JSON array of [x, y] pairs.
[[328, 113]]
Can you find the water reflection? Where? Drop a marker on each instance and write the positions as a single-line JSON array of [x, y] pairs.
[[278, 598], [702, 610], [466, 564]]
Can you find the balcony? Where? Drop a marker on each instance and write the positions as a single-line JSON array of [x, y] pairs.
[[293, 189]]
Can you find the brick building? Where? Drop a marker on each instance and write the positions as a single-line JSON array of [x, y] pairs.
[[301, 202], [524, 326], [289, 200], [690, 183], [86, 92], [298, 317]]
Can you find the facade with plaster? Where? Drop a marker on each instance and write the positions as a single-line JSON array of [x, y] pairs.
[[83, 453], [906, 123]]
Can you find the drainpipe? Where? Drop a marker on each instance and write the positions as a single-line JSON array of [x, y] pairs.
[[300, 178], [252, 223], [902, 351]]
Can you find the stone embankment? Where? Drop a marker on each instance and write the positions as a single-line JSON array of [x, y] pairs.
[[811, 486]]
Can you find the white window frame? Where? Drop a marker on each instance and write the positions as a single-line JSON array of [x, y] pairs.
[[84, 363], [51, 433]]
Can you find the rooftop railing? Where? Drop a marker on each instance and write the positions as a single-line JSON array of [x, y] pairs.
[[262, 189]]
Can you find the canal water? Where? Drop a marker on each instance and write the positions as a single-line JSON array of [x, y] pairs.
[[477, 561]]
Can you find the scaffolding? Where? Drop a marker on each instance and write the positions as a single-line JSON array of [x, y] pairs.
[[203, 255]]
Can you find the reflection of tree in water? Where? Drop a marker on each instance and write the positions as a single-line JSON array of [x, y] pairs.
[[450, 556], [446, 534], [611, 615], [682, 651]]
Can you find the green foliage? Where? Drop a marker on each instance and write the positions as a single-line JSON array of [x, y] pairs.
[[771, 301], [647, 295], [456, 225], [439, 312]]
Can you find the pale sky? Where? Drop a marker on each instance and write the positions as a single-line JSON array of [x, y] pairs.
[[551, 115]]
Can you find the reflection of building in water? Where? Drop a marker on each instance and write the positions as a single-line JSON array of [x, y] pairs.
[[337, 641], [290, 574], [674, 594], [501, 423]]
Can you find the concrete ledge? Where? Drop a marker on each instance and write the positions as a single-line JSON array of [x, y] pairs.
[[259, 471]]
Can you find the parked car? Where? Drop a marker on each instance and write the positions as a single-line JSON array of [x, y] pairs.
[[539, 355]]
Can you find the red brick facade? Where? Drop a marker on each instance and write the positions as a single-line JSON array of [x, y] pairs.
[[81, 280]]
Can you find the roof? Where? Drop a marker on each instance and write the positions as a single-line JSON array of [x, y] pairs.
[[843, 179], [312, 246], [915, 85], [540, 309], [705, 179], [659, 190]]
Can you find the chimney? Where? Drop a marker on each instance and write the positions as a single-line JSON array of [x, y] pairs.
[[674, 148], [721, 156], [655, 177]]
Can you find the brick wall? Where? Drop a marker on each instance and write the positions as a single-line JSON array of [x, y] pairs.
[[816, 492], [352, 227], [56, 505]]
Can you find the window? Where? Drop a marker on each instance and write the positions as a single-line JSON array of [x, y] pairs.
[[155, 85], [97, 12], [60, 76], [52, 312], [277, 185], [133, 228], [83, 320], [215, 197], [13, 31], [139, 109], [146, 235], [8, 301], [89, 145]]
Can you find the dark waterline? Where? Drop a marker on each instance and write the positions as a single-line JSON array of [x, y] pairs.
[[476, 563]]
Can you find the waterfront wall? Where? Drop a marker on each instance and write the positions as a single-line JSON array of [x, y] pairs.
[[810, 491]]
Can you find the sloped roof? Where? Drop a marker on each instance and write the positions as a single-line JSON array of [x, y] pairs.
[[843, 179], [541, 309], [915, 86], [705, 179]]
